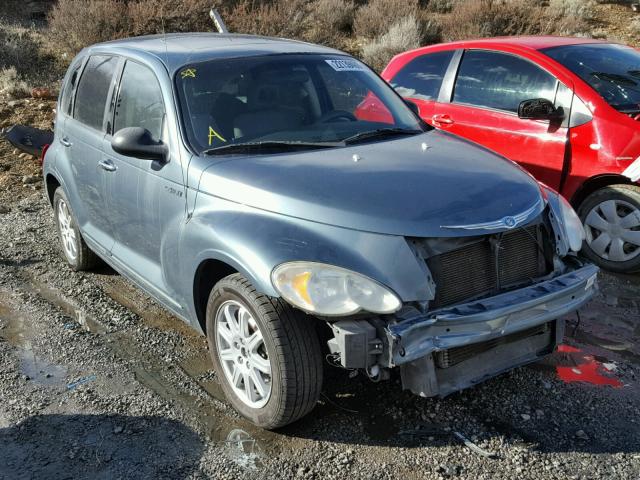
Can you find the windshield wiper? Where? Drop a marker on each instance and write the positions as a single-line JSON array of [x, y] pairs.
[[614, 78], [268, 145], [379, 133]]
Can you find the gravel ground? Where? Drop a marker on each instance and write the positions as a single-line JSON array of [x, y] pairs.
[[98, 381]]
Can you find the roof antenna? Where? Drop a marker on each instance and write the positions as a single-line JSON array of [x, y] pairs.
[[164, 34], [217, 21]]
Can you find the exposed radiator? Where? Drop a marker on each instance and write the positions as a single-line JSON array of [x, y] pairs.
[[488, 266]]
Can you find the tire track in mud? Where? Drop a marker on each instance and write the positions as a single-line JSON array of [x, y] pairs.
[[221, 425]]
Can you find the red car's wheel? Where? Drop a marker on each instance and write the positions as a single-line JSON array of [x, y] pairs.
[[611, 218]]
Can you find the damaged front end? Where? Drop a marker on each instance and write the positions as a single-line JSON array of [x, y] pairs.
[[498, 302]]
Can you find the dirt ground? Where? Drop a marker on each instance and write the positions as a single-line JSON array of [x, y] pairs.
[[98, 381]]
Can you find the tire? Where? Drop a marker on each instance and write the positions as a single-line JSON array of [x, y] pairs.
[[611, 217], [74, 249], [289, 343]]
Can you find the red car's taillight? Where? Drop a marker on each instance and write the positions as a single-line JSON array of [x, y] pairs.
[[44, 151]]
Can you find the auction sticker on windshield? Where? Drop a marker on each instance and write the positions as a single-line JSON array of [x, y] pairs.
[[345, 65]]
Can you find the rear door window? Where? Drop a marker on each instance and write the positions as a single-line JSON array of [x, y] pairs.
[[422, 77], [139, 101], [500, 81], [93, 90]]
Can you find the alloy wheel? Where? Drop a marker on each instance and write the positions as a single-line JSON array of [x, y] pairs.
[[243, 354], [613, 230], [67, 232]]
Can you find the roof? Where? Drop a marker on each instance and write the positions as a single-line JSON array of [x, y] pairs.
[[534, 42], [178, 49]]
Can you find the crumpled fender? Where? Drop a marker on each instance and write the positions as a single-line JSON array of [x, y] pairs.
[[255, 241]]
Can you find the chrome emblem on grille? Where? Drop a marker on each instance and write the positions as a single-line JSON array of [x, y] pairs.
[[505, 222], [509, 222]]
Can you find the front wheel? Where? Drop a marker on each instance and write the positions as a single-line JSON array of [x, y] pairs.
[[611, 218], [266, 354]]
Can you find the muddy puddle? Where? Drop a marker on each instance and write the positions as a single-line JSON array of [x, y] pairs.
[[73, 311], [242, 443], [16, 329]]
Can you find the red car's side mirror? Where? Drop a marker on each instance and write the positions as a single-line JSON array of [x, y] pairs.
[[539, 109]]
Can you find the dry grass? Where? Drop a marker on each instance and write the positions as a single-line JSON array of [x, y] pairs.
[[24, 58], [151, 16], [74, 24], [11, 85], [11, 9], [489, 18], [377, 16], [280, 18], [330, 22], [569, 17], [404, 35], [440, 6]]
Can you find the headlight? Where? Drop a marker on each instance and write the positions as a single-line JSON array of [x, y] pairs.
[[328, 290], [572, 225]]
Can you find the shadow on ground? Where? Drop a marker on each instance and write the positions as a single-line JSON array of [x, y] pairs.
[[97, 447]]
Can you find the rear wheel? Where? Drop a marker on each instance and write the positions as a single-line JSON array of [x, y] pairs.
[[611, 218], [74, 249], [266, 354]]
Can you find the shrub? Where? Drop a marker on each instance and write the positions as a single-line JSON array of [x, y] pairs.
[[440, 6], [403, 35], [568, 17], [151, 16], [373, 19], [490, 18], [330, 21], [581, 9], [12, 85], [12, 9], [74, 24], [22, 50], [280, 18]]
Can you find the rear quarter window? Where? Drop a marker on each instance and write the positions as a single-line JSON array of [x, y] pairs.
[[422, 77], [93, 89], [66, 99]]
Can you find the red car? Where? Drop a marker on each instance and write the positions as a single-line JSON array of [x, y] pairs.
[[566, 109]]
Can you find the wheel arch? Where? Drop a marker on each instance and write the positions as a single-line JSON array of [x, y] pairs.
[[211, 270], [51, 184], [593, 184]]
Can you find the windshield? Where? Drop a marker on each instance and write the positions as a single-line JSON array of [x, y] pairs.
[[308, 99], [612, 70]]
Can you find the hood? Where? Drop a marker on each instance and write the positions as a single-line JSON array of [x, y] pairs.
[[396, 187]]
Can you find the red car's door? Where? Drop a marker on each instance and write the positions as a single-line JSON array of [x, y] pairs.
[[484, 100]]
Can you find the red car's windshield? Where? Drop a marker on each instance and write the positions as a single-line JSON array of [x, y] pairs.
[[611, 70]]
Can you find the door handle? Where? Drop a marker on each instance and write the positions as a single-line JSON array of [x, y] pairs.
[[442, 119], [65, 142], [107, 165]]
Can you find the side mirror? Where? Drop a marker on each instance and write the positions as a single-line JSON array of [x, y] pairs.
[[539, 109], [413, 106], [138, 142]]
